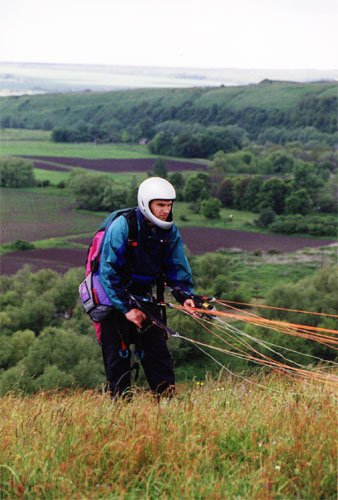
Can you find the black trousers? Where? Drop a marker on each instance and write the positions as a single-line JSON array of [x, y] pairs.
[[150, 345]]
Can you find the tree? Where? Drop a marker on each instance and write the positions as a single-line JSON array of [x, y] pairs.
[[177, 180], [272, 194], [266, 217], [160, 168], [305, 177], [90, 190], [161, 144], [16, 173], [298, 202], [225, 192], [146, 128], [252, 190], [196, 187], [282, 163], [188, 146], [210, 208], [114, 198]]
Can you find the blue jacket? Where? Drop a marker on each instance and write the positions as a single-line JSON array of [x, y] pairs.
[[149, 257]]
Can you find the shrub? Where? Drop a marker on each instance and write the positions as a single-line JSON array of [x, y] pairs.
[[266, 217], [16, 173], [18, 245], [210, 208]]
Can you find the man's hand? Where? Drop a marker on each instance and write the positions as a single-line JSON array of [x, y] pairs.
[[189, 304], [136, 316]]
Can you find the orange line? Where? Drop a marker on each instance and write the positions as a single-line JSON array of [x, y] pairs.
[[263, 320], [278, 308]]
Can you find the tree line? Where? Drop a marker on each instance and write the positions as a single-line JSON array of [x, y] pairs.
[[187, 115]]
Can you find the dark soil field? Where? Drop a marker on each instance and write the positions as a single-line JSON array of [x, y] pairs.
[[36, 216], [48, 166], [198, 240], [112, 165]]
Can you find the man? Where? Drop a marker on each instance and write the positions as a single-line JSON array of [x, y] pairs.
[[135, 269]]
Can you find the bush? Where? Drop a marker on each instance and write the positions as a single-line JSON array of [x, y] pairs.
[[16, 173], [266, 217], [18, 246], [210, 208], [299, 224], [160, 168]]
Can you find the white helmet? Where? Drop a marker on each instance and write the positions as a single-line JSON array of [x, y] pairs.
[[155, 188]]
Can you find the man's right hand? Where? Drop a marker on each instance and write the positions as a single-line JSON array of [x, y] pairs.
[[136, 316]]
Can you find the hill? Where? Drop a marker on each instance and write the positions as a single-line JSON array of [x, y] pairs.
[[226, 439], [252, 107]]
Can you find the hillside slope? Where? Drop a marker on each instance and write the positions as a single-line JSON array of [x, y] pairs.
[[252, 107]]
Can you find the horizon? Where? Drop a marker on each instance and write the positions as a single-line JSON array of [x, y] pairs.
[[205, 68]]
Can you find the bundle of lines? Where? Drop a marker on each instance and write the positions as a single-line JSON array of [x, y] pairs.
[[236, 342]]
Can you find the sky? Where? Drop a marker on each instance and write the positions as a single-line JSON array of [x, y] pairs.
[[250, 34]]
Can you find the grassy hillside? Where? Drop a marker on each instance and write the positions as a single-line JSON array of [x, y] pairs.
[[214, 440], [130, 106]]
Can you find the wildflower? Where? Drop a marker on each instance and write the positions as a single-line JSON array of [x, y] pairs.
[[260, 443], [277, 467]]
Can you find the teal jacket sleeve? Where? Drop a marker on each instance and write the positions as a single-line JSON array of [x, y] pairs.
[[113, 266]]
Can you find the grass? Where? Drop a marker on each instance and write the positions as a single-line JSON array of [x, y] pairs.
[[52, 176], [261, 438], [20, 134], [241, 220], [260, 276], [78, 150]]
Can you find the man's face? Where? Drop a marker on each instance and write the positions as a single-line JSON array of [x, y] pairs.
[[161, 208]]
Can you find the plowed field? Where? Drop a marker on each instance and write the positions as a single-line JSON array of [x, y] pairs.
[[112, 165], [198, 240]]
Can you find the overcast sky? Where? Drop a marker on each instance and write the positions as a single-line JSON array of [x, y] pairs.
[[269, 34]]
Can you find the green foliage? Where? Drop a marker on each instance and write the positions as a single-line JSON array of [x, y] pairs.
[[239, 162], [278, 162], [82, 133], [298, 202], [247, 110], [16, 173], [34, 301], [210, 208], [266, 217], [196, 187], [17, 246], [160, 168], [310, 225], [46, 341], [272, 195], [161, 144], [316, 293], [96, 192]]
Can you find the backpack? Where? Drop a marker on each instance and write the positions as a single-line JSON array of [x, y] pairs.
[[92, 296]]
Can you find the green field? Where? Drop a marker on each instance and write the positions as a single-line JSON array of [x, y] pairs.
[[86, 150]]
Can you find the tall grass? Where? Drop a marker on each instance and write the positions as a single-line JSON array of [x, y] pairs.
[[217, 440]]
